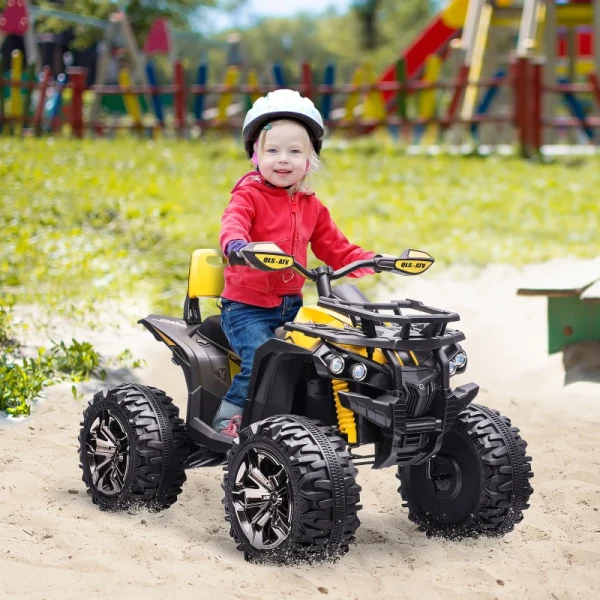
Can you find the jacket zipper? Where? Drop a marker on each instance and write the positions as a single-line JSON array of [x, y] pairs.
[[294, 221], [294, 201]]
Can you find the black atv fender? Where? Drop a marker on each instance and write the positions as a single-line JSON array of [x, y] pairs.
[[278, 367], [205, 365]]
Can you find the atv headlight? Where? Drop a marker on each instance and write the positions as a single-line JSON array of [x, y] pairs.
[[452, 367], [461, 361], [336, 365], [359, 371]]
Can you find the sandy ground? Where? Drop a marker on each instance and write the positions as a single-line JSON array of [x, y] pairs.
[[55, 544]]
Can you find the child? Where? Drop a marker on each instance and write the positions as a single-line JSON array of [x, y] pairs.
[[283, 134]]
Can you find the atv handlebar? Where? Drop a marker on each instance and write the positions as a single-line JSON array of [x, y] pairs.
[[267, 256], [236, 259], [378, 264]]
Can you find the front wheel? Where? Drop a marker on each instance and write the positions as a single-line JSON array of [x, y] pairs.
[[132, 448], [290, 491], [478, 483]]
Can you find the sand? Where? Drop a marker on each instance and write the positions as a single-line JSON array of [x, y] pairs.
[[55, 544]]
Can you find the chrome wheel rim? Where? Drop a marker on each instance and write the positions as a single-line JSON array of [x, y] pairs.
[[261, 499], [107, 451]]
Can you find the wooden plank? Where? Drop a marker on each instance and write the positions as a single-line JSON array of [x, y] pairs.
[[564, 289], [592, 294], [563, 283]]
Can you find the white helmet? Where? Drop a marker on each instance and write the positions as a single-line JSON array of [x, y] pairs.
[[283, 104]]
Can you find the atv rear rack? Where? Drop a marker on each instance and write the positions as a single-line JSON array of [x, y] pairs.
[[400, 331]]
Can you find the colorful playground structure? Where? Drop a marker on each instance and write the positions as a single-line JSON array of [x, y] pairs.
[[515, 70]]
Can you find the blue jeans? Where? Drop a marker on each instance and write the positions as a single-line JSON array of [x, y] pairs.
[[248, 327]]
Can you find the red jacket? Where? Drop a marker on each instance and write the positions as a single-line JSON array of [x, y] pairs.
[[259, 212]]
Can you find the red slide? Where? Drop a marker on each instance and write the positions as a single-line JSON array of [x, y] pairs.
[[445, 26]]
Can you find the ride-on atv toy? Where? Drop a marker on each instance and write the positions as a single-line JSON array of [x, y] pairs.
[[344, 374]]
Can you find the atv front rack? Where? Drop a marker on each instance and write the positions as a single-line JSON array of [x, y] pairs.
[[426, 330]]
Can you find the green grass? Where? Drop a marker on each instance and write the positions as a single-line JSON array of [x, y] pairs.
[[86, 221]]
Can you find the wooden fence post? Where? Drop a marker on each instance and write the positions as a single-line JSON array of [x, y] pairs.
[[460, 84], [536, 101], [522, 105], [180, 99], [77, 78], [307, 90]]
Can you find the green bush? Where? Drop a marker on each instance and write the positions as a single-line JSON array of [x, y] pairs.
[[21, 382], [78, 361], [22, 379]]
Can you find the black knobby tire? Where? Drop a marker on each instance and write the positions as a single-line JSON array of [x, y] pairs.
[[478, 484], [147, 467], [314, 466]]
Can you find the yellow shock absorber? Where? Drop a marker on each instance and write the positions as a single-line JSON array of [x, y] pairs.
[[345, 416]]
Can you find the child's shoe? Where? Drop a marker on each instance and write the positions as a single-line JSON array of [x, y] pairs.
[[233, 428], [227, 421]]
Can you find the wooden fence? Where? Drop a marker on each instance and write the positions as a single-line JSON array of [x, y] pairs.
[[525, 80]]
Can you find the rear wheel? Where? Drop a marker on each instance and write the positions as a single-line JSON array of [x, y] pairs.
[[290, 491], [477, 484], [132, 448]]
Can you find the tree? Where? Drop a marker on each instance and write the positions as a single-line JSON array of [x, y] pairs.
[[366, 13], [141, 15]]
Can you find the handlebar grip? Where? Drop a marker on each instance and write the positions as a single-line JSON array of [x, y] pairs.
[[384, 263], [236, 258]]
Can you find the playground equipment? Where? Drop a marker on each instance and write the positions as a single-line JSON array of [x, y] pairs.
[[549, 41], [573, 307]]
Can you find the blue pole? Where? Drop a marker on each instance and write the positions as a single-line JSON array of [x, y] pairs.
[[577, 109], [156, 99], [278, 75], [199, 102], [326, 103], [486, 102]]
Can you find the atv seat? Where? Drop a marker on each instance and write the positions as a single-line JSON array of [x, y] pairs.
[[211, 329]]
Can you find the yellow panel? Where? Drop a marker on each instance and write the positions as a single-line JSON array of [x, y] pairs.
[[428, 98], [582, 67], [315, 314], [374, 107], [253, 80], [427, 103], [541, 26], [354, 97], [575, 14], [232, 78], [454, 15], [16, 74], [131, 101], [476, 68], [506, 21], [206, 274]]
